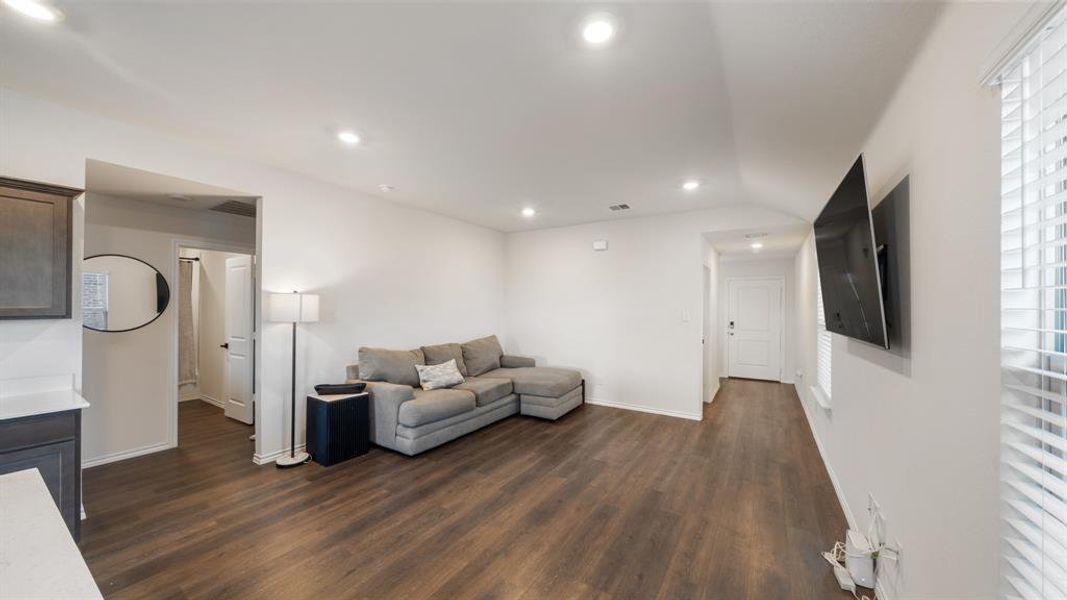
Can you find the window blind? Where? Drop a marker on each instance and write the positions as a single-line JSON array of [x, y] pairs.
[[1034, 318], [823, 351]]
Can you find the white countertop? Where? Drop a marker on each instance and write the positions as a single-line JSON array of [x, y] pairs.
[[38, 556], [39, 403]]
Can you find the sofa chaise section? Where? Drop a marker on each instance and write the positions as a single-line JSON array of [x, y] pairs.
[[545, 392], [408, 419]]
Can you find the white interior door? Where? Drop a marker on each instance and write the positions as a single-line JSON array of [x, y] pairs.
[[240, 302], [754, 328]]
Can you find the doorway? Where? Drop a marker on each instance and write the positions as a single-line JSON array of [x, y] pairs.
[[130, 361], [216, 328], [754, 327]]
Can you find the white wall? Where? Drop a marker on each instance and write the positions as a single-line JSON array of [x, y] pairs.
[[712, 327], [734, 267], [389, 275], [629, 318], [922, 434], [127, 376]]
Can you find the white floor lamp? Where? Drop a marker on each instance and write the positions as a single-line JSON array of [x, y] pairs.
[[293, 308]]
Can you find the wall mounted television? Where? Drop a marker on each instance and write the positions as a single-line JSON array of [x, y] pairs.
[[848, 258]]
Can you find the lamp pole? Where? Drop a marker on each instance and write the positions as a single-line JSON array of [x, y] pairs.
[[292, 460]]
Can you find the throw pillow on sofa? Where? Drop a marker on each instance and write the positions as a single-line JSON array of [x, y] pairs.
[[482, 355], [444, 375]]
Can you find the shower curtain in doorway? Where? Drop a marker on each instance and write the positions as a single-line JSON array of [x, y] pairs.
[[186, 324]]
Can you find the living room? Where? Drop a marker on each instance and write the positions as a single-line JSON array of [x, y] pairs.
[[556, 175]]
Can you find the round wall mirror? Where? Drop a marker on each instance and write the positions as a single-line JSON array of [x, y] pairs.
[[121, 293]]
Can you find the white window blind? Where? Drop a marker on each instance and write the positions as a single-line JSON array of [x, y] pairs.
[[823, 351], [1034, 318]]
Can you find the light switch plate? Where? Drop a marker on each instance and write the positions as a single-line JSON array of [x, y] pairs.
[[600, 245]]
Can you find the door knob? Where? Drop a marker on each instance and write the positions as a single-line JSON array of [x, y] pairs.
[[226, 345]]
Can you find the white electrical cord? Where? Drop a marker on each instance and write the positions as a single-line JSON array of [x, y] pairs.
[[834, 557]]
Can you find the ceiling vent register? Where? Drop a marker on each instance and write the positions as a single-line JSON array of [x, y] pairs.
[[235, 207]]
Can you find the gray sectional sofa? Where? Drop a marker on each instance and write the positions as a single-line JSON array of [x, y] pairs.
[[409, 419]]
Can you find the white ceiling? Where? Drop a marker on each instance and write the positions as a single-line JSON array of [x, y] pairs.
[[476, 110], [116, 180], [778, 242]]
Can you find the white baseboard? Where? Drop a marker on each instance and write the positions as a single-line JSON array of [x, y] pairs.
[[266, 459], [849, 517], [211, 400], [125, 454], [188, 396], [645, 409]]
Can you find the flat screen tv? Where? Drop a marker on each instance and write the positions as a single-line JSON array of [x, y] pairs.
[[848, 263]]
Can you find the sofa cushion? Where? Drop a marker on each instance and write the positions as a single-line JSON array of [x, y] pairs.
[[442, 353], [434, 405], [486, 390], [550, 382], [444, 375], [391, 366], [482, 355]]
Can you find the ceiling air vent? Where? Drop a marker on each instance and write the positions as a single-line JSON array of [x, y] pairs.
[[236, 207], [618, 207]]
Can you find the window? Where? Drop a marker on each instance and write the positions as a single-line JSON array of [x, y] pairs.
[[822, 353], [1034, 317]]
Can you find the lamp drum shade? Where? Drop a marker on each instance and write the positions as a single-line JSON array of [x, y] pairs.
[[293, 308]]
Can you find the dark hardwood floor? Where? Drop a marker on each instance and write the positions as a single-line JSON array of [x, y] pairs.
[[603, 503]]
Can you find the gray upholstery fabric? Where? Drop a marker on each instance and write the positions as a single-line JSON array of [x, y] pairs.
[[540, 381], [424, 443], [550, 400], [385, 402], [414, 433], [534, 406], [510, 362], [482, 355], [434, 405], [442, 353], [391, 366], [486, 389], [411, 421]]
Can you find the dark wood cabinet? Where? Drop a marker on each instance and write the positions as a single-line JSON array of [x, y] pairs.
[[52, 444], [35, 250]]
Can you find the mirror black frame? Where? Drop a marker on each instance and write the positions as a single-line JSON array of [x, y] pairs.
[[162, 294]]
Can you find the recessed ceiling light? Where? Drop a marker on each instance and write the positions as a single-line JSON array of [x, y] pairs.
[[348, 137], [385, 187], [34, 10], [690, 185], [598, 30], [756, 245], [528, 212]]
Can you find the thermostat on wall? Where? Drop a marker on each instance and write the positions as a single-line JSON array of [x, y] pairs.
[[600, 245]]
